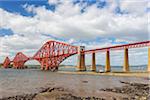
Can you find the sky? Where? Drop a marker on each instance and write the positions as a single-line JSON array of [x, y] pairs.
[[25, 25]]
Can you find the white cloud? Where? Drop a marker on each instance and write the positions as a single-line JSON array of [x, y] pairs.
[[68, 23], [54, 1], [134, 6]]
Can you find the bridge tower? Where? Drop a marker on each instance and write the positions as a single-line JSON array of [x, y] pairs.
[[19, 60], [52, 53], [6, 62], [81, 59]]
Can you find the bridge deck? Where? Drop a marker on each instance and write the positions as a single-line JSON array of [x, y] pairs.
[[119, 47]]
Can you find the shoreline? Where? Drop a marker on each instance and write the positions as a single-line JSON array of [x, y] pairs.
[[65, 85], [125, 74], [127, 92]]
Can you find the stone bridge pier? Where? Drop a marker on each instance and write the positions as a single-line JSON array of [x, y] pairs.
[[81, 59]]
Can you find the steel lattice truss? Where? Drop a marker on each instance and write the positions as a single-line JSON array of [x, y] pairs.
[[50, 55], [6, 62], [53, 53], [19, 60]]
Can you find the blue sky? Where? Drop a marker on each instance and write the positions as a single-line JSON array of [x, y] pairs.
[[16, 6], [93, 23]]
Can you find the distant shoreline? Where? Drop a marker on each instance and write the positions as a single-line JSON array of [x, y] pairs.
[[132, 73], [126, 74]]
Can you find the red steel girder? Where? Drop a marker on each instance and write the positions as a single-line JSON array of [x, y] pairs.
[[19, 60], [52, 53], [6, 62], [119, 47]]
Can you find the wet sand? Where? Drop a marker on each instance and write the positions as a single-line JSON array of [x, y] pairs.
[[45, 85]]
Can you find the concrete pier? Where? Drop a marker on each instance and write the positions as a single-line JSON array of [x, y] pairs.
[[148, 60], [93, 62], [126, 61], [107, 67], [81, 59]]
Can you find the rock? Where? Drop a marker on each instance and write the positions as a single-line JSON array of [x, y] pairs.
[[144, 98], [85, 81], [134, 90]]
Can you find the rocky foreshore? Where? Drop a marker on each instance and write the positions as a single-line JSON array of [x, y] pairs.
[[60, 94], [134, 91]]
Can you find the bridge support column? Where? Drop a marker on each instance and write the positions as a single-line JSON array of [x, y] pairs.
[[42, 64], [126, 60], [148, 60], [107, 67], [46, 64], [81, 59], [93, 62]]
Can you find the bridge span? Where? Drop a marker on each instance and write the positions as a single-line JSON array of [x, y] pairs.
[[52, 53]]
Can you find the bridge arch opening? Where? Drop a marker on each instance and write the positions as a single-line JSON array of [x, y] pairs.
[[69, 64], [32, 64], [100, 61], [116, 60], [138, 59]]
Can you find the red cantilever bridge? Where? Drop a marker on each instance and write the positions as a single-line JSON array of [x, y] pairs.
[[52, 53]]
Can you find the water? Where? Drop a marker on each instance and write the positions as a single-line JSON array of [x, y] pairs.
[[132, 68], [24, 81], [113, 68]]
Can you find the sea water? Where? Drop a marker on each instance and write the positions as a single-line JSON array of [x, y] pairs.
[[25, 81]]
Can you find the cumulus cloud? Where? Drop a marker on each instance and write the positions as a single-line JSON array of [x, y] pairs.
[[54, 1], [131, 6], [67, 21], [69, 24]]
